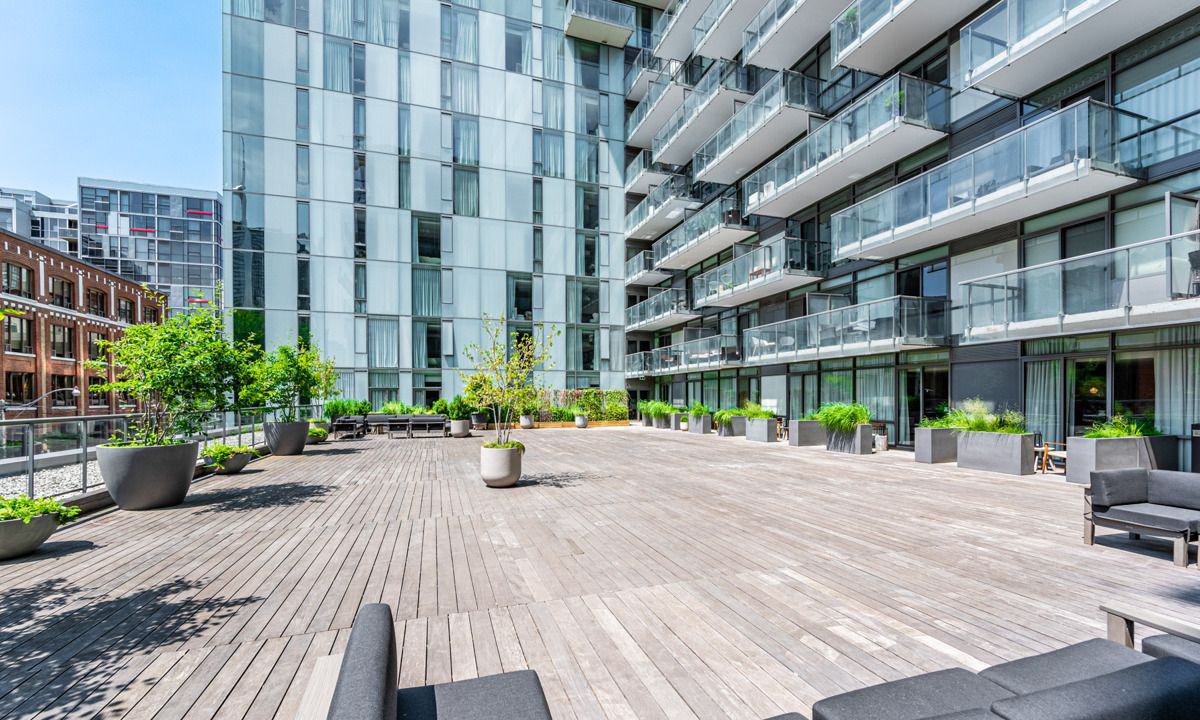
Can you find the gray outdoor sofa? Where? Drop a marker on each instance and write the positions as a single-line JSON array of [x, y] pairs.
[[1163, 503]]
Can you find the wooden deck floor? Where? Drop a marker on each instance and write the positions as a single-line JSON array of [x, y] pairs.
[[643, 573]]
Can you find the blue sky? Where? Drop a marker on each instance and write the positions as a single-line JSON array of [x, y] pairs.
[[120, 89]]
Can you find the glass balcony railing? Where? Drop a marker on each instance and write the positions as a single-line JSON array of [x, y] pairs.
[[710, 353], [605, 11], [723, 73], [785, 88], [900, 98], [637, 364], [675, 186], [722, 211], [645, 62], [760, 265], [872, 327], [1154, 282], [709, 20], [658, 88], [666, 21], [1057, 148], [766, 22], [860, 19], [672, 301], [638, 264]]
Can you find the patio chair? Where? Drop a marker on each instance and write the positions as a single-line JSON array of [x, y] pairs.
[[348, 425], [377, 422], [431, 425], [399, 425]]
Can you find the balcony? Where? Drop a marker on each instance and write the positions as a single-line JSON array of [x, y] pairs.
[[717, 226], [707, 106], [892, 324], [663, 97], [637, 364], [786, 29], [602, 21], [764, 270], [1152, 283], [777, 113], [640, 270], [875, 35], [674, 29], [711, 353], [659, 311], [898, 117], [1079, 152], [642, 173], [718, 34], [1009, 48], [661, 209], [644, 69]]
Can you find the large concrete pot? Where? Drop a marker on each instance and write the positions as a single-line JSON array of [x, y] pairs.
[[935, 445], [1087, 454], [735, 428], [677, 420], [500, 467], [479, 420], [700, 424], [996, 452], [647, 420], [18, 537], [581, 421], [662, 423], [286, 438], [860, 441], [235, 464], [526, 422], [143, 478], [762, 429], [460, 428], [803, 433]]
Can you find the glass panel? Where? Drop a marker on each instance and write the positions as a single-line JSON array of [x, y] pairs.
[[1043, 399], [1088, 383]]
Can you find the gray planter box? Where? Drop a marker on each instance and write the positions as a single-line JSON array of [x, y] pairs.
[[677, 420], [806, 432], [936, 445], [859, 442], [647, 421], [762, 429], [662, 423], [700, 424], [1158, 452], [996, 452], [735, 428]]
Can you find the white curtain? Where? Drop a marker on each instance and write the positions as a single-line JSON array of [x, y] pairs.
[[383, 342], [552, 154], [248, 9], [552, 106], [876, 388], [403, 131], [466, 36], [337, 65], [553, 54], [466, 192], [465, 90], [587, 161], [573, 300], [383, 22], [420, 345], [405, 76], [338, 14], [1043, 398], [466, 140], [1176, 390], [427, 292]]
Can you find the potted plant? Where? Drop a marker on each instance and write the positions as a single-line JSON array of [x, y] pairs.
[[283, 379], [25, 523], [1119, 443], [181, 371], [761, 425], [228, 459], [806, 431], [699, 419], [504, 379], [528, 415], [992, 441], [643, 411], [316, 436], [935, 439], [731, 422], [581, 416], [343, 407], [848, 428], [459, 412], [660, 412]]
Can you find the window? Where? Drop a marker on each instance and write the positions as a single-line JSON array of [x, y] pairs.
[[149, 314], [359, 78], [427, 239], [125, 310], [587, 64], [586, 255], [538, 250], [553, 106], [360, 178], [460, 34], [337, 65], [248, 279], [403, 130], [466, 192], [302, 115], [61, 387], [583, 301], [62, 344], [302, 185], [427, 344], [460, 88], [553, 54], [587, 113], [518, 46], [537, 200], [62, 292], [97, 303], [18, 280], [427, 292], [360, 233], [466, 139], [587, 160], [301, 58], [520, 297], [96, 396], [360, 287], [427, 388], [405, 182], [360, 124], [18, 334], [18, 388], [587, 207], [302, 228], [548, 153], [303, 300], [95, 345]]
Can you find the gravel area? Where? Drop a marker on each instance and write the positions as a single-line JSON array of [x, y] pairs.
[[60, 481]]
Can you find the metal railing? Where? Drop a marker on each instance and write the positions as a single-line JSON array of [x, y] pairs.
[[654, 93], [877, 326], [859, 17], [1110, 289], [645, 61], [722, 73], [722, 211], [643, 162], [764, 262], [640, 263], [672, 187], [1058, 147], [637, 364], [668, 302], [764, 25], [666, 21], [900, 98], [708, 21], [605, 11], [710, 353]]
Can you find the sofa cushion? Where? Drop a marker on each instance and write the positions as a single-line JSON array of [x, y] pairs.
[[1163, 646], [1171, 487], [508, 696], [1163, 517], [1119, 487], [1160, 690], [366, 684], [1065, 665], [923, 696], [976, 714]]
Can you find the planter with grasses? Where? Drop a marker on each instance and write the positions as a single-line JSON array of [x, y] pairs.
[[660, 414], [935, 440], [761, 425], [1118, 444], [847, 428], [699, 419], [807, 431], [991, 441]]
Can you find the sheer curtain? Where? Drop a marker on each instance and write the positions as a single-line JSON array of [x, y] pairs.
[[465, 91], [383, 342], [383, 22], [876, 388], [427, 292], [338, 16], [337, 64], [466, 36], [573, 301], [552, 106], [248, 9], [405, 76], [1043, 398], [420, 345], [403, 131], [553, 54], [466, 192], [466, 140], [1177, 391], [552, 154]]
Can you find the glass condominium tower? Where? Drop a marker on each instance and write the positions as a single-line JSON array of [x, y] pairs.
[[396, 170]]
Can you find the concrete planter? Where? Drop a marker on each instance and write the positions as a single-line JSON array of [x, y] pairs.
[[700, 424], [310, 440], [806, 432], [479, 420], [581, 421], [286, 438], [18, 537], [500, 467], [647, 421], [936, 445], [320, 424], [662, 423], [1087, 454], [762, 429], [234, 465], [677, 420], [526, 422], [143, 478], [460, 428], [996, 452], [860, 441], [735, 428]]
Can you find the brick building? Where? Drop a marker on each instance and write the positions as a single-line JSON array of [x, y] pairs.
[[66, 307]]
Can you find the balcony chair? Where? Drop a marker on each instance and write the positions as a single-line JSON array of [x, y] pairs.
[[399, 425], [349, 425]]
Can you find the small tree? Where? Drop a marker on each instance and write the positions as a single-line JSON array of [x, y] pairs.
[[504, 377], [290, 375]]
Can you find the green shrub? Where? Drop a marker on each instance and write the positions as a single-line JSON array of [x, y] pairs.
[[439, 406], [592, 403], [508, 445], [317, 433], [754, 410], [562, 414], [725, 417], [1121, 426], [972, 415], [458, 408], [698, 409], [616, 405], [219, 453], [659, 409], [24, 508], [577, 410], [341, 407], [394, 408], [842, 417]]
